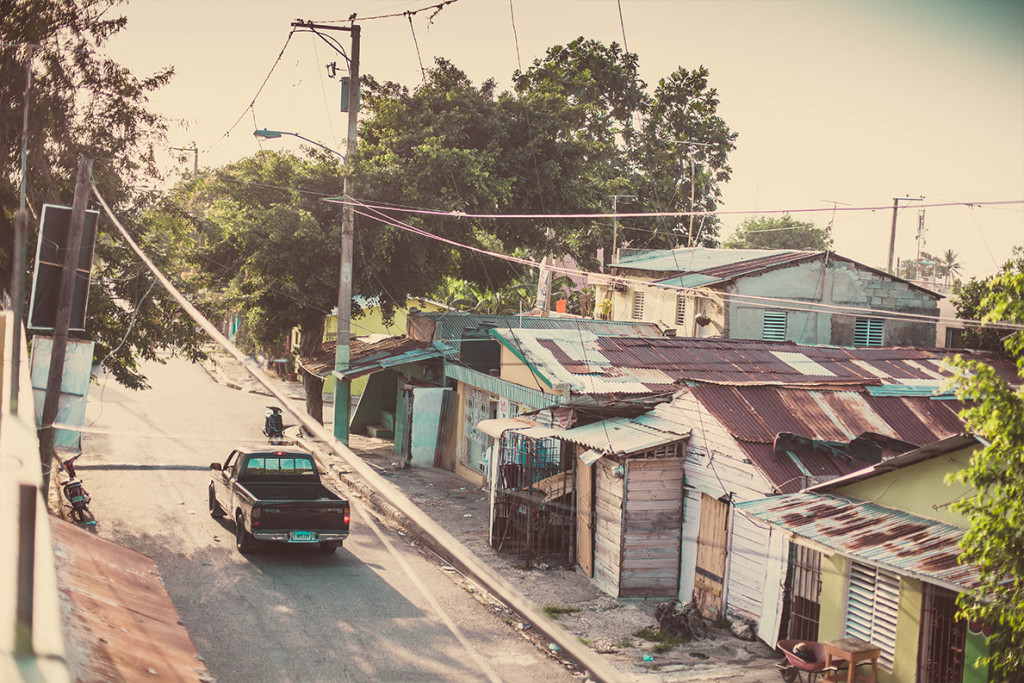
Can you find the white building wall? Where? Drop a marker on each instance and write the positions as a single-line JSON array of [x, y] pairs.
[[715, 466]]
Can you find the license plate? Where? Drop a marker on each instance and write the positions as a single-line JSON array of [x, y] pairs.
[[303, 537]]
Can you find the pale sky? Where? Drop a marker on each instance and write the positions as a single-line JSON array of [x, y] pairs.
[[848, 102]]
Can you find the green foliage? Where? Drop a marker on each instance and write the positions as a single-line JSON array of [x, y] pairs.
[[263, 243], [971, 300], [667, 149], [82, 103], [779, 232], [555, 610], [663, 641], [995, 541]]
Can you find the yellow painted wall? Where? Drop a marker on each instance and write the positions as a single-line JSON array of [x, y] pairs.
[[834, 572], [919, 489], [515, 370]]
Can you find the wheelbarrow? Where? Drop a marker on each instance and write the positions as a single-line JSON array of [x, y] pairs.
[[791, 670]]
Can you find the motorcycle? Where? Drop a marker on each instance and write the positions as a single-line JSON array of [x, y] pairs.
[[74, 492], [273, 425]]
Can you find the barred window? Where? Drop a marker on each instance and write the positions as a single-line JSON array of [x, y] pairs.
[[681, 310]]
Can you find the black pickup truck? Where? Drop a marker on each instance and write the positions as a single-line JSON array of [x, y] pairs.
[[277, 495]]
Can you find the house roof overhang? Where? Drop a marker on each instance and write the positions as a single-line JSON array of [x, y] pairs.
[[891, 539]]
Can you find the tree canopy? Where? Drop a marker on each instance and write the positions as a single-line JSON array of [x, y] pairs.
[[972, 299], [82, 103], [666, 150], [779, 232], [995, 540]]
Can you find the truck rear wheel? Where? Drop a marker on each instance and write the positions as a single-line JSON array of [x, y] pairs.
[[243, 539], [216, 510]]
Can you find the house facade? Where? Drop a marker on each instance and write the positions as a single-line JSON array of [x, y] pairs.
[[763, 419], [873, 555], [772, 295]]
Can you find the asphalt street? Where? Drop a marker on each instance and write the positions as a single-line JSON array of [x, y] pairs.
[[375, 610]]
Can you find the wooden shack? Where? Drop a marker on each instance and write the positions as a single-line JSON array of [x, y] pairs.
[[629, 521]]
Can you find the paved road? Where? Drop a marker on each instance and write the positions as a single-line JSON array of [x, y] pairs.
[[375, 610]]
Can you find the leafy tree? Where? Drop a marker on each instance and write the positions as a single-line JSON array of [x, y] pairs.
[[669, 149], [971, 300], [82, 103], [995, 541], [779, 232], [259, 238]]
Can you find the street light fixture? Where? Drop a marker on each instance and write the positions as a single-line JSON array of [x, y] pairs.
[[265, 134]]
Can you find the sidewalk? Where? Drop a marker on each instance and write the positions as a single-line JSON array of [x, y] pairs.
[[607, 625]]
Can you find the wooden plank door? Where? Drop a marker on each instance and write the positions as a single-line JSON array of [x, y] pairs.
[[585, 517], [712, 538]]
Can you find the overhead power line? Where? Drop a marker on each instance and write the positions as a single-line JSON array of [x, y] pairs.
[[753, 300]]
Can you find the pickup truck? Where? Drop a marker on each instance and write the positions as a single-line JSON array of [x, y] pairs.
[[277, 495]]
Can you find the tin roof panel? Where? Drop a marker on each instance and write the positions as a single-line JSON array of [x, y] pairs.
[[896, 540]]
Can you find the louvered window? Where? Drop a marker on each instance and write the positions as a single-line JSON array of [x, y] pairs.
[[680, 310], [871, 608], [868, 332], [638, 305], [774, 326]]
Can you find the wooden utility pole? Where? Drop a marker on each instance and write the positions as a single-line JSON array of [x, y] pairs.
[[892, 234], [63, 320]]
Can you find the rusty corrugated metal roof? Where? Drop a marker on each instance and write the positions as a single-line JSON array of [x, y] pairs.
[[121, 624], [754, 416], [591, 363], [896, 540], [367, 357]]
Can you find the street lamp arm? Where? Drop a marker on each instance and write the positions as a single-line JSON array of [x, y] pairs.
[[271, 134]]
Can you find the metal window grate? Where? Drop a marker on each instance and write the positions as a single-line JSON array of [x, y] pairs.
[[774, 326], [681, 310], [868, 332], [943, 638], [638, 305], [872, 605], [804, 593]]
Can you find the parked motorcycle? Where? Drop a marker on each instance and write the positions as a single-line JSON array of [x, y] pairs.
[[74, 492], [273, 425]]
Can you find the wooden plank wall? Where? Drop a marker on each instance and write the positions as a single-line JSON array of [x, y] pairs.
[[653, 528], [608, 491], [714, 465]]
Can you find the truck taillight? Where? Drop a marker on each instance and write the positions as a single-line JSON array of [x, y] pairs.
[[347, 516], [255, 517]]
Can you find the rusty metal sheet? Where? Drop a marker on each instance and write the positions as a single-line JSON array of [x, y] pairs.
[[117, 609], [896, 540]]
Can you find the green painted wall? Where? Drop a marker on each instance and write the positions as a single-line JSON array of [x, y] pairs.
[[976, 646]]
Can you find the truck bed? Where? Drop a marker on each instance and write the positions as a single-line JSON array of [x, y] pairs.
[[306, 491]]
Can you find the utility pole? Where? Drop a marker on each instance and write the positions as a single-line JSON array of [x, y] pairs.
[[892, 235], [615, 221], [20, 229], [63, 320], [342, 355]]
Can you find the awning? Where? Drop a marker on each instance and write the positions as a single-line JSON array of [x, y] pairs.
[[624, 436], [495, 427], [896, 540]]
